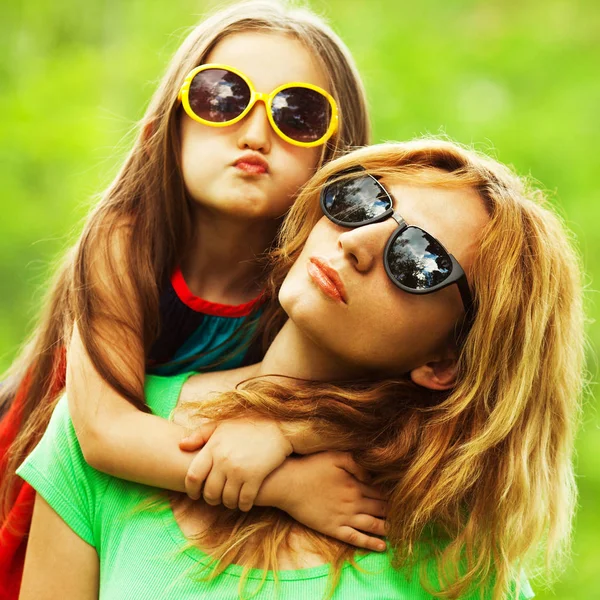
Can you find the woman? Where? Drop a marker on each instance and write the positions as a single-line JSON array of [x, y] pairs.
[[460, 400]]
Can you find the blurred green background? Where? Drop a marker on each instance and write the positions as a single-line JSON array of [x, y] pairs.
[[517, 78]]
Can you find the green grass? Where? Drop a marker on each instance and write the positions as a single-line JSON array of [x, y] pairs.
[[519, 79]]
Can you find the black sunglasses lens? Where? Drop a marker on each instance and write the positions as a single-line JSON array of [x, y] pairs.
[[302, 114], [417, 260], [218, 95], [356, 200]]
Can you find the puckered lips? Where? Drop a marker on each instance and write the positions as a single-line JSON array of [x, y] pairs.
[[252, 163], [327, 279]]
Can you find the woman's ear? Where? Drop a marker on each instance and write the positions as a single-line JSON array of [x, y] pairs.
[[436, 375]]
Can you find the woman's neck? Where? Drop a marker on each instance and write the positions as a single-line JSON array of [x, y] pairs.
[[222, 263], [294, 354]]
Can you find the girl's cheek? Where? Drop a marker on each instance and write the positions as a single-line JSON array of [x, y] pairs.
[[305, 159]]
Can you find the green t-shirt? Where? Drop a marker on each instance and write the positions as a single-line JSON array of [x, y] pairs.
[[143, 552]]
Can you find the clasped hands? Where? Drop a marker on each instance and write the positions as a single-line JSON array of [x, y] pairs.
[[246, 461]]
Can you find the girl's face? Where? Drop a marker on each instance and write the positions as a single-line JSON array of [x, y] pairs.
[[379, 327], [213, 165]]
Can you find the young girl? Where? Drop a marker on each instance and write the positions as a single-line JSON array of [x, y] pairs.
[[165, 276]]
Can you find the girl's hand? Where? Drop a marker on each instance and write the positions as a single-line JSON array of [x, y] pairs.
[[328, 492], [236, 457]]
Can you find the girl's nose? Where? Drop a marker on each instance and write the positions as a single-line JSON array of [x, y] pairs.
[[364, 245], [255, 130]]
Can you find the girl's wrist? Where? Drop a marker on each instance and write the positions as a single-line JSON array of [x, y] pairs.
[[303, 438], [276, 488]]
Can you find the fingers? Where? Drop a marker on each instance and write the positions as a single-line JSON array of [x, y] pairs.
[[369, 491], [349, 535], [231, 493], [198, 471], [248, 494], [235, 494], [368, 524], [213, 488], [347, 463], [197, 438], [376, 508]]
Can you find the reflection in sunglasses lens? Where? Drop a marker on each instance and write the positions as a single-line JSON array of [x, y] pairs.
[[356, 200], [218, 95], [302, 114], [417, 260]]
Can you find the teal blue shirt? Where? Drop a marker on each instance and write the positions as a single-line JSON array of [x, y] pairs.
[[198, 335]]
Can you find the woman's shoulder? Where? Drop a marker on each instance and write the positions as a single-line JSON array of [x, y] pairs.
[[57, 470], [202, 384], [378, 569], [165, 393]]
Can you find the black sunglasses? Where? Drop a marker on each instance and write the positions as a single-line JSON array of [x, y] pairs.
[[414, 260]]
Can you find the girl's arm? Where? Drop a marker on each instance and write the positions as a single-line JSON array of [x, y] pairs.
[[115, 437], [58, 563], [237, 454], [246, 461]]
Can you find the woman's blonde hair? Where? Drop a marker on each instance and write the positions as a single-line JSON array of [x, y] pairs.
[[149, 197], [480, 478]]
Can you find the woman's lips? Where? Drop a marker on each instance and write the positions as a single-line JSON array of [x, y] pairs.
[[327, 279]]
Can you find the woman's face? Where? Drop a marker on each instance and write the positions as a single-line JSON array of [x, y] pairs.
[[377, 326]]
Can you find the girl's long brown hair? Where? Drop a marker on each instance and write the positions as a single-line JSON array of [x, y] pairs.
[[144, 221], [480, 478]]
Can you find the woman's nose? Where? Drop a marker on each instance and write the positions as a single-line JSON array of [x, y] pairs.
[[255, 130], [364, 245]]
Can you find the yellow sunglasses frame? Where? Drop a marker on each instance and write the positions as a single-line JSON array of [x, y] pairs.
[[255, 96]]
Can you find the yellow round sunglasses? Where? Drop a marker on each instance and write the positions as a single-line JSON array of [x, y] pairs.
[[219, 95]]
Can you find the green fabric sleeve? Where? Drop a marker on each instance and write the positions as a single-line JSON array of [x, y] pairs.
[[162, 393], [58, 472]]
